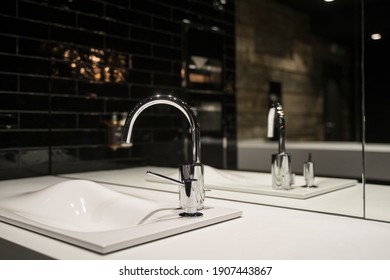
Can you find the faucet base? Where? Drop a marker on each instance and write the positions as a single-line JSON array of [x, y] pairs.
[[196, 214], [192, 195], [282, 177]]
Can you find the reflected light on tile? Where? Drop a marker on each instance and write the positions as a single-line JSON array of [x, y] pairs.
[[94, 64]]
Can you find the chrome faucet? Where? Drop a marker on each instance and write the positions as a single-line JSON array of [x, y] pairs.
[[191, 182], [282, 177]]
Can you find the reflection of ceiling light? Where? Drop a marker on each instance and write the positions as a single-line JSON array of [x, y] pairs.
[[187, 21], [376, 36], [215, 28], [328, 0]]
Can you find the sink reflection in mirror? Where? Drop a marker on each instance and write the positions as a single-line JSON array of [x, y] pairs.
[[261, 183], [98, 218]]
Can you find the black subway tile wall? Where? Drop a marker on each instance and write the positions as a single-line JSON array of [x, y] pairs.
[[70, 70]]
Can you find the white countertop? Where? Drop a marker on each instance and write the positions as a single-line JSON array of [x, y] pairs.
[[263, 232], [348, 201]]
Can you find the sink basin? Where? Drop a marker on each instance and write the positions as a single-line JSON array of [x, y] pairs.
[[98, 218], [80, 205], [260, 183]]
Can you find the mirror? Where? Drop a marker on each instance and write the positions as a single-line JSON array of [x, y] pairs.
[[306, 55]]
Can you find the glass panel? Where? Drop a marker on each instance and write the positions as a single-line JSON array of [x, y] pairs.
[[305, 55], [377, 59]]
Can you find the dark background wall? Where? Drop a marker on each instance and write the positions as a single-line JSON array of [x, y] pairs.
[[68, 67]]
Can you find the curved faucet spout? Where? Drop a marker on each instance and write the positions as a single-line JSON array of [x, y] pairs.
[[168, 100], [191, 193]]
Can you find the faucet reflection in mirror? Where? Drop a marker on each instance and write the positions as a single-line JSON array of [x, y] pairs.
[[282, 177], [191, 182]]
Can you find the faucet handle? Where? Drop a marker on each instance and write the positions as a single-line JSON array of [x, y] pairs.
[[190, 203], [308, 172], [181, 183]]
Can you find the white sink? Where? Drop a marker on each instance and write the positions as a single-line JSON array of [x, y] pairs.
[[98, 218], [260, 183], [80, 205]]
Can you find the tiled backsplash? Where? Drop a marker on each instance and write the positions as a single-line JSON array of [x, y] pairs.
[[68, 66]]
